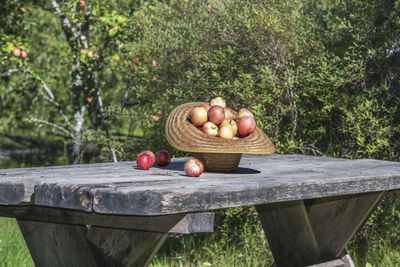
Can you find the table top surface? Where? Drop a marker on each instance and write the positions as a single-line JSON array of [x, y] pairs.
[[121, 188]]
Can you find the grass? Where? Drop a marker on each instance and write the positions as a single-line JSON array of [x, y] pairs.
[[13, 250], [238, 241]]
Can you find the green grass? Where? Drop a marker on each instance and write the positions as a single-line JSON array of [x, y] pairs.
[[13, 250]]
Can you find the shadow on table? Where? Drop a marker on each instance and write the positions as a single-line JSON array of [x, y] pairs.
[[178, 166]]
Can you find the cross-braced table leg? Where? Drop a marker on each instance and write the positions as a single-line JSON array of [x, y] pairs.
[[303, 233], [65, 245]]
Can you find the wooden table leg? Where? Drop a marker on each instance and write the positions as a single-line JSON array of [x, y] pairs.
[[316, 233], [62, 245], [125, 247], [65, 245]]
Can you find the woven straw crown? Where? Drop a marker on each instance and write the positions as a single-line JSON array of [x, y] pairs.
[[183, 135]]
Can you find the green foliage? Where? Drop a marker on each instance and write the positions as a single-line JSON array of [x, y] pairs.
[[379, 240], [312, 92]]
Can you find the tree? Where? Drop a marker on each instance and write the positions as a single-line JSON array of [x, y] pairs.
[[90, 34]]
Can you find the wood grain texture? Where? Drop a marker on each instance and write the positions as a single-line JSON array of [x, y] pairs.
[[121, 188], [175, 223], [118, 247], [335, 220], [289, 233], [344, 261], [57, 244]]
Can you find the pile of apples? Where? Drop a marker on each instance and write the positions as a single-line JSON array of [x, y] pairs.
[[217, 120], [146, 159]]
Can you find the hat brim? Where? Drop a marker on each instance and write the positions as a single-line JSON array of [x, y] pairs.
[[183, 135]]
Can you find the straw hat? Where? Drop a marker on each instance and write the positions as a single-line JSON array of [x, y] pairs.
[[183, 135]]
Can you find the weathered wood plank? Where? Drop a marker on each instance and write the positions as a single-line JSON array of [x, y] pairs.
[[14, 193], [335, 220], [176, 223], [57, 244], [289, 233], [125, 247], [158, 191], [344, 261]]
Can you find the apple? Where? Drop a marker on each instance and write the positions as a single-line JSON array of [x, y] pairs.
[[244, 112], [218, 101], [24, 54], [210, 128], [17, 52], [216, 114], [151, 154], [246, 125], [231, 123], [198, 116], [226, 132], [163, 158], [193, 167], [228, 114], [82, 3], [144, 161], [206, 106], [22, 10]]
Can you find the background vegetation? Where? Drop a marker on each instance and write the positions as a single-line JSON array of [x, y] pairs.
[[321, 76]]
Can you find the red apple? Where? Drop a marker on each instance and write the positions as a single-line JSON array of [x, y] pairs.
[[82, 3], [17, 52], [163, 158], [232, 124], [24, 54], [144, 161], [218, 101], [206, 106], [229, 114], [210, 128], [216, 114], [226, 132], [193, 167], [244, 112], [151, 154], [246, 125], [198, 116]]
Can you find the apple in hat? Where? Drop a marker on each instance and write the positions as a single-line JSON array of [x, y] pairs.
[[246, 125], [206, 106], [244, 112], [218, 101], [210, 128], [216, 114], [229, 114], [231, 123], [226, 132], [198, 116]]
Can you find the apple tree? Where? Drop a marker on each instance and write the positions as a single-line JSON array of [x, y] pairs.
[[55, 64]]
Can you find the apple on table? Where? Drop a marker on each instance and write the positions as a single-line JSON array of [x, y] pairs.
[[193, 167]]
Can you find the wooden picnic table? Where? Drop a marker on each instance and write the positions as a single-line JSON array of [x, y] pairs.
[[309, 207]]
